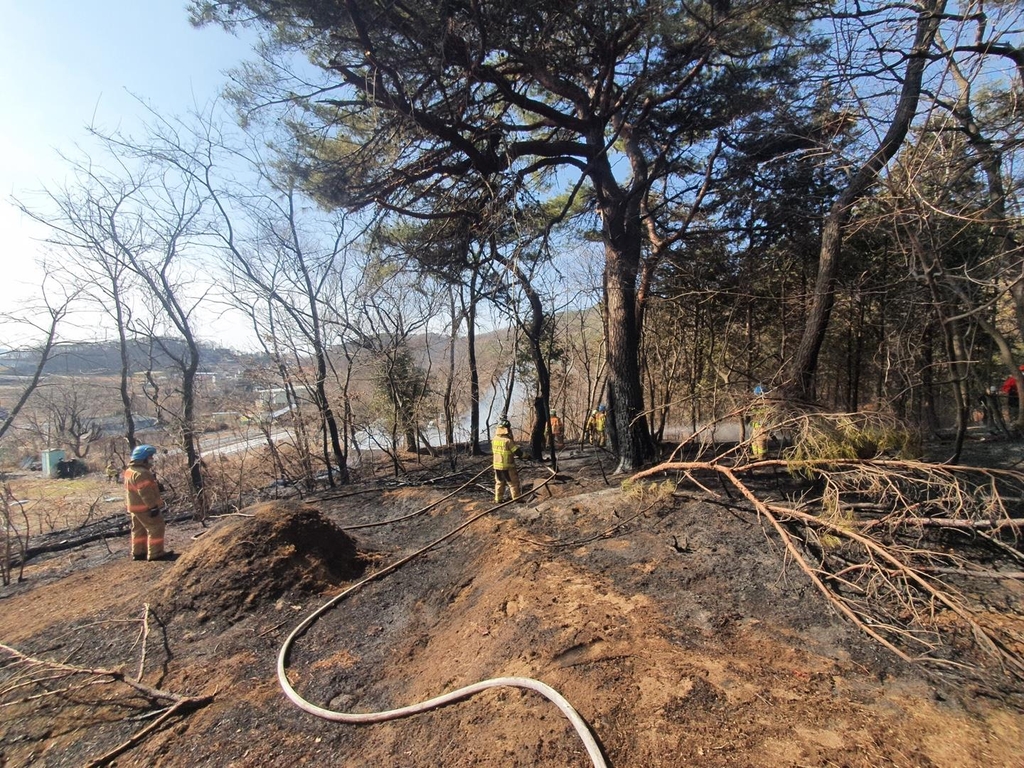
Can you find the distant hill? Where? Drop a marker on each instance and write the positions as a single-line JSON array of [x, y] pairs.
[[104, 358], [429, 350], [99, 358]]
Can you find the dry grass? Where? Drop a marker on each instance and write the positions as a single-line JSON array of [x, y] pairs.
[[53, 505]]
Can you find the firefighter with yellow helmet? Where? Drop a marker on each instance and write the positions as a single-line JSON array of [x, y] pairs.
[[504, 451], [600, 415]]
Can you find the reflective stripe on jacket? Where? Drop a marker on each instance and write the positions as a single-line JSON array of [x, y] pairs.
[[504, 449], [141, 491]]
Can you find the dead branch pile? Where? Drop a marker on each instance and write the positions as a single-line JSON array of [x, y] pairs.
[[29, 681], [925, 558]]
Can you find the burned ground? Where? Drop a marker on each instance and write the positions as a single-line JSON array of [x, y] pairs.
[[672, 622]]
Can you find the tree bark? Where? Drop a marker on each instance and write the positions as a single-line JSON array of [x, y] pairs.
[[626, 423], [474, 373]]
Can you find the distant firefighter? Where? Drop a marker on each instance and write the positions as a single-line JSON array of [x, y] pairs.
[[555, 430], [145, 506], [597, 436], [504, 451], [589, 427], [759, 430]]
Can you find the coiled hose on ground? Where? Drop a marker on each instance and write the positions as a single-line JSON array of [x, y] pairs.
[[578, 723]]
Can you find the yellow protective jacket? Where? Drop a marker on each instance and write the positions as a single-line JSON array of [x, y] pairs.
[[141, 490], [504, 450]]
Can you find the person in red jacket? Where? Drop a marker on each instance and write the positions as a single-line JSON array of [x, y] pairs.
[[1009, 389], [145, 506]]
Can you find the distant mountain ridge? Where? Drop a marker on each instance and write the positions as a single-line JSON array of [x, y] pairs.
[[104, 357]]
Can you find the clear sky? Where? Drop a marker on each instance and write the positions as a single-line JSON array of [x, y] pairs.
[[67, 63]]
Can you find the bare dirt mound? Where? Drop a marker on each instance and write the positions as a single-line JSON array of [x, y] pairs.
[[282, 547]]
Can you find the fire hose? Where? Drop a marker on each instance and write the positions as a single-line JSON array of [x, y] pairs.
[[578, 723]]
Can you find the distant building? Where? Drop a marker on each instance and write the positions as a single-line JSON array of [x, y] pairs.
[[206, 380], [271, 399], [115, 425]]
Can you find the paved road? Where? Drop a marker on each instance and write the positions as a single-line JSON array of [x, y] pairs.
[[239, 442]]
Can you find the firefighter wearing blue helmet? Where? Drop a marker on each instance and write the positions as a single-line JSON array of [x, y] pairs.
[[145, 506]]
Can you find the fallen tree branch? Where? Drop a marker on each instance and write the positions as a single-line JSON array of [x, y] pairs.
[[143, 640], [114, 675], [985, 639], [888, 574], [111, 526], [1013, 523], [181, 705], [841, 605], [101, 676]]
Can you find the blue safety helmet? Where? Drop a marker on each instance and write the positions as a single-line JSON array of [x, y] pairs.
[[143, 452], [758, 390], [601, 408]]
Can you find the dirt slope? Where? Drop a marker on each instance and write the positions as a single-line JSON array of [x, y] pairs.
[[671, 624]]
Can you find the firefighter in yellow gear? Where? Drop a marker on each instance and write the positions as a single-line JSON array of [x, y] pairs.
[[145, 506], [599, 419], [589, 427], [504, 451], [759, 429]]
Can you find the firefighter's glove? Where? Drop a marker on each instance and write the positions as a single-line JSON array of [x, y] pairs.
[[154, 512]]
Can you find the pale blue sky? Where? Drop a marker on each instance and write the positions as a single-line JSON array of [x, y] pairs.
[[67, 63]]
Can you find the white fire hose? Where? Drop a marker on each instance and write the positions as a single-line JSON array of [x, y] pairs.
[[582, 729]]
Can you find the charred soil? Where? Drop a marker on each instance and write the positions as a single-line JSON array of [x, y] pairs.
[[675, 625]]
